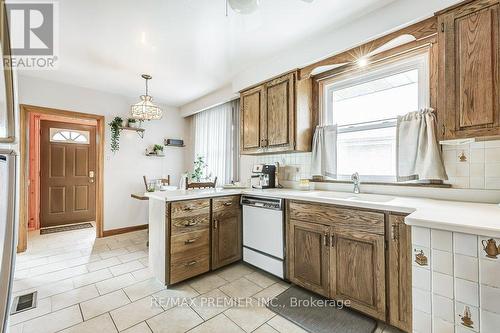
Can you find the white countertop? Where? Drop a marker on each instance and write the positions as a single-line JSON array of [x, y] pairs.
[[466, 217]]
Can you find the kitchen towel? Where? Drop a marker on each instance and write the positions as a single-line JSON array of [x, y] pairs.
[[417, 148], [324, 151]]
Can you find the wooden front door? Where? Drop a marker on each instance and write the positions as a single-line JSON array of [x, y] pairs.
[[309, 255], [67, 173], [357, 273]]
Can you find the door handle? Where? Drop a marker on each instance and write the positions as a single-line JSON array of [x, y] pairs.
[[332, 240], [325, 239], [91, 176]]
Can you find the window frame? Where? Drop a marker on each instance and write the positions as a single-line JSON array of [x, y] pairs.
[[327, 86], [55, 130]]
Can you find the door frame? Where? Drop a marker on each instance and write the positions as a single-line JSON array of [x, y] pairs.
[[25, 110]]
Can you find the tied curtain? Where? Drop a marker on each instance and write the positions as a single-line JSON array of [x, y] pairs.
[[217, 140], [417, 148], [324, 151]]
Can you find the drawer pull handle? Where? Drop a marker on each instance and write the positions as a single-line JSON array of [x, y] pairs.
[[188, 208], [190, 223], [216, 224], [227, 203], [190, 241], [191, 263]]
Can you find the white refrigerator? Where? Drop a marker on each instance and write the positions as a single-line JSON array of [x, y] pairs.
[[9, 172], [8, 236]]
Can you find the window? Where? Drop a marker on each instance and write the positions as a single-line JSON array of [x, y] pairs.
[[365, 107], [216, 133], [69, 136]]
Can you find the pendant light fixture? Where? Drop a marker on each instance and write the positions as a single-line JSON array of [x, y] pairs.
[[145, 109]]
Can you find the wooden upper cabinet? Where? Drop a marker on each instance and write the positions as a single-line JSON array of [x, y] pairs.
[[308, 256], [469, 53], [251, 110], [399, 273], [278, 123], [276, 116], [357, 264]]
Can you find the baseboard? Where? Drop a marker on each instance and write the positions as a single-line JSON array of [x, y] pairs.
[[112, 232]]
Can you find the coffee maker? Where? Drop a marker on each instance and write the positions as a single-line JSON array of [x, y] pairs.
[[264, 176]]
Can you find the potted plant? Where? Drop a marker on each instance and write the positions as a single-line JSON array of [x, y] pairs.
[[158, 150], [198, 166], [116, 127], [133, 123]]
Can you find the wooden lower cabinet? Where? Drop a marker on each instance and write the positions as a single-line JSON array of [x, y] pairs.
[[399, 273], [203, 234], [368, 264], [357, 269], [308, 256], [226, 237]]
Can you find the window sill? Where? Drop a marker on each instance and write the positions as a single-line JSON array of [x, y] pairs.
[[435, 184]]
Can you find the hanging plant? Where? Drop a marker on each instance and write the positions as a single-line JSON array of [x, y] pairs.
[[115, 125]]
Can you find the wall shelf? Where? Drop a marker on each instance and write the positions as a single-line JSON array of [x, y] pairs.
[[140, 131], [169, 145]]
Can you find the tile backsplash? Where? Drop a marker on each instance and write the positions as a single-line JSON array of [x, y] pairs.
[[475, 165]]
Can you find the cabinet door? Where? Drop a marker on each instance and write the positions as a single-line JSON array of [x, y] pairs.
[[252, 105], [357, 272], [226, 237], [277, 127], [468, 100], [308, 254], [399, 270]]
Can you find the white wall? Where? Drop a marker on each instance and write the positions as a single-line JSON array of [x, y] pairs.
[[392, 17], [124, 169]]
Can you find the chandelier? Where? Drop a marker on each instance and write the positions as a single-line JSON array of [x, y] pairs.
[[145, 109]]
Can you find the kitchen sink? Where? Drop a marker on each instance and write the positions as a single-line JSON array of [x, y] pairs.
[[351, 196]]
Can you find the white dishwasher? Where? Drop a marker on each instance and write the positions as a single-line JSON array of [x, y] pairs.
[[263, 233]]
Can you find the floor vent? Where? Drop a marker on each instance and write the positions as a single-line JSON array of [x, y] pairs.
[[24, 302]]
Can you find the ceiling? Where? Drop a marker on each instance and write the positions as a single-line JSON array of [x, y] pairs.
[[189, 46]]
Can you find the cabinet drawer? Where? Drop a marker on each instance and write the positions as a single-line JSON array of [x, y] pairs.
[[188, 264], [224, 203], [190, 208], [182, 225], [341, 219], [190, 240]]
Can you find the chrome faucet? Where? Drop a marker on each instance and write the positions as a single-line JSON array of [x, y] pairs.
[[355, 181]]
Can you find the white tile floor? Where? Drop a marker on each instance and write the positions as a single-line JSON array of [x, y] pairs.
[[104, 285]]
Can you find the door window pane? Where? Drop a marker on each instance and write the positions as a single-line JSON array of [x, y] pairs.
[[69, 136]]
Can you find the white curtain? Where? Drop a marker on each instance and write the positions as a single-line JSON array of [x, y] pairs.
[[216, 139], [418, 153], [324, 151]]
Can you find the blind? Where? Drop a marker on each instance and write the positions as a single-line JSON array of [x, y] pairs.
[[216, 132]]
